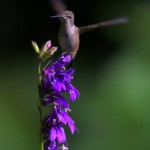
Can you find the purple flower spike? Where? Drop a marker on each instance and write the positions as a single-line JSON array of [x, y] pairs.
[[56, 80]]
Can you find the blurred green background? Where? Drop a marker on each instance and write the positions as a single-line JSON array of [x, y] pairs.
[[112, 74]]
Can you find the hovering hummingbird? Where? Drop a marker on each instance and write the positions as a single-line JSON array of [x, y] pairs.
[[69, 33]]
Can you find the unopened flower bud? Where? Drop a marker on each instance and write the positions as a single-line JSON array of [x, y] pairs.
[[47, 46], [35, 46], [45, 54]]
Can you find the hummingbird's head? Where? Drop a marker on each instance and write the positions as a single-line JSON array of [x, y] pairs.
[[65, 17]]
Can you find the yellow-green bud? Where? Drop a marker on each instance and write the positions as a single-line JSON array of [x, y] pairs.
[[35, 46]]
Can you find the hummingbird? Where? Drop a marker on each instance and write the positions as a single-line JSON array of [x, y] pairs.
[[69, 33]]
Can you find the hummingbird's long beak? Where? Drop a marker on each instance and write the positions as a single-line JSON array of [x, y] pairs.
[[58, 16]]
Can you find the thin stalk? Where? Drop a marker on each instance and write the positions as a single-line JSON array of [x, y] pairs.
[[40, 105]]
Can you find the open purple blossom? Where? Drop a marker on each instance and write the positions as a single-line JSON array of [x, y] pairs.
[[56, 79], [56, 98], [53, 127], [59, 116]]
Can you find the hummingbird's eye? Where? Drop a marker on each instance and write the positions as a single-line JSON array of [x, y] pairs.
[[69, 17]]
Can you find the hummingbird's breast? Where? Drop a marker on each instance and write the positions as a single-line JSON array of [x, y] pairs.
[[69, 39]]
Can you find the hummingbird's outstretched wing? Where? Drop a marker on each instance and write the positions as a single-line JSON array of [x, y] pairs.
[[116, 21], [58, 5]]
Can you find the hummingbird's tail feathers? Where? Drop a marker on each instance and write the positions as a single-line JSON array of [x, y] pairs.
[[58, 5], [116, 21]]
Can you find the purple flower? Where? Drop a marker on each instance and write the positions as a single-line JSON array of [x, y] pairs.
[[57, 99], [57, 134], [51, 146], [66, 119], [53, 125], [74, 93], [56, 79], [59, 79], [59, 117]]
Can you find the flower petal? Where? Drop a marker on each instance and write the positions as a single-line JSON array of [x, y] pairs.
[[71, 125], [67, 59], [61, 137], [47, 45], [53, 134], [72, 95], [70, 71], [58, 86], [61, 118], [62, 102], [53, 146]]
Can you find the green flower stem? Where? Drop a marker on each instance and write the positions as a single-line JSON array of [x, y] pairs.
[[40, 105]]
